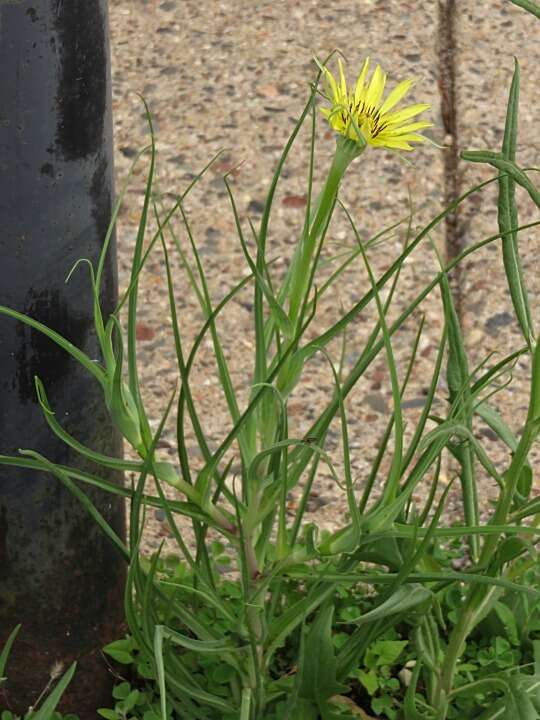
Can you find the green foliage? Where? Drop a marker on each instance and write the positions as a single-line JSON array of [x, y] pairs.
[[259, 616], [133, 703], [501, 649]]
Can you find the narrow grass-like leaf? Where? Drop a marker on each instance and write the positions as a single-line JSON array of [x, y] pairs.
[[457, 375], [203, 647], [97, 457], [391, 486], [4, 655], [245, 709], [404, 599], [47, 709], [85, 501], [355, 531], [165, 505], [421, 424], [529, 5], [338, 327], [409, 705], [133, 377], [185, 397], [164, 225], [499, 162], [185, 393], [263, 232], [93, 367], [209, 596], [508, 217], [288, 621], [323, 422], [96, 280], [221, 362], [416, 578], [452, 428], [182, 508], [318, 665], [190, 690]]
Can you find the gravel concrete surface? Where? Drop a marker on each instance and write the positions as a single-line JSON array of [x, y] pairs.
[[235, 76]]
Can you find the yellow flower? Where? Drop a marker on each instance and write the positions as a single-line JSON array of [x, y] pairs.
[[361, 114]]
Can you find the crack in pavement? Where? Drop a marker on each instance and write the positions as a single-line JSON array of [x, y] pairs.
[[447, 87]]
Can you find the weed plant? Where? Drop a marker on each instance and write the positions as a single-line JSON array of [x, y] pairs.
[[371, 618]]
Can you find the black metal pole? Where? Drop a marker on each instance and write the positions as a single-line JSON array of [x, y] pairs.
[[59, 576]]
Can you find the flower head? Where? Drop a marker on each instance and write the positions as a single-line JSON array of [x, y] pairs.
[[361, 114]]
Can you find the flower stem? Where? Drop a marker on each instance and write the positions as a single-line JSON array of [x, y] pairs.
[[346, 151]]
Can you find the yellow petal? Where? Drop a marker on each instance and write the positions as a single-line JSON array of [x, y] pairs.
[[331, 84], [409, 137], [395, 96], [399, 128], [376, 88], [398, 117], [359, 87], [394, 144], [342, 81], [412, 127]]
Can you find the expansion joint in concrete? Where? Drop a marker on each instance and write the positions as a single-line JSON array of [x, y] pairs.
[[447, 61]]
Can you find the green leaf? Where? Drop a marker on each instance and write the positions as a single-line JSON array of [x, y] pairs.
[[520, 701], [494, 420], [205, 647], [458, 378], [130, 701], [528, 5], [189, 689], [508, 550], [508, 619], [369, 680], [525, 482], [83, 359], [120, 650], [120, 692], [108, 714], [383, 704], [6, 650], [150, 715], [384, 652], [245, 710], [99, 458], [222, 673], [410, 711], [318, 664], [497, 161], [48, 707], [508, 217], [303, 710], [404, 599]]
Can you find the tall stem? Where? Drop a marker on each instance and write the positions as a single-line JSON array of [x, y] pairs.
[[346, 151]]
